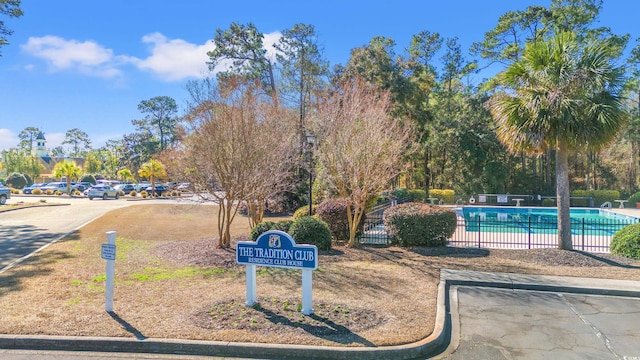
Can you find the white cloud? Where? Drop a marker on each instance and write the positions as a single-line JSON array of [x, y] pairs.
[[175, 59], [268, 42], [8, 139], [170, 59], [88, 57]]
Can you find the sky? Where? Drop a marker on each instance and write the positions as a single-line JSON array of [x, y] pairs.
[[88, 64]]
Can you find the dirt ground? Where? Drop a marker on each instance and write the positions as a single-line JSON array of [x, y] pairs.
[[173, 282]]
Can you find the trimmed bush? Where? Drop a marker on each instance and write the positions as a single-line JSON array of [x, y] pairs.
[[121, 192], [633, 200], [400, 194], [334, 213], [304, 211], [260, 229], [282, 225], [36, 192], [626, 242], [77, 193], [309, 230], [133, 193], [448, 196], [417, 195], [599, 197], [144, 193], [548, 202], [49, 192], [17, 181], [418, 224]]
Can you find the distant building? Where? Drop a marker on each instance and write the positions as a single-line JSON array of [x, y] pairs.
[[49, 161]]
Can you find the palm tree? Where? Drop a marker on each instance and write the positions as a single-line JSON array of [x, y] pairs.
[[560, 95], [152, 170], [67, 169], [125, 175]]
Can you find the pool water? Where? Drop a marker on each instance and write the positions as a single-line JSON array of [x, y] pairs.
[[542, 220]]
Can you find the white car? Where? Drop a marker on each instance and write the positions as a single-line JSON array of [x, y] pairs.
[[103, 191]]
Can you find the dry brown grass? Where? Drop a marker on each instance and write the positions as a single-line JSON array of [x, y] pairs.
[[171, 282]]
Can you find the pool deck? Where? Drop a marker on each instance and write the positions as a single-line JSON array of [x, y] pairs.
[[627, 211]]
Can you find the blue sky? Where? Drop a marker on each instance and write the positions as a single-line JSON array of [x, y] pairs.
[[87, 64]]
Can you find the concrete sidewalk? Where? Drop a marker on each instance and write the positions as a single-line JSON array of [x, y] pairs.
[[431, 346]]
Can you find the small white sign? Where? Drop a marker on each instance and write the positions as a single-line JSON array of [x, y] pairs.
[[108, 252], [503, 198]]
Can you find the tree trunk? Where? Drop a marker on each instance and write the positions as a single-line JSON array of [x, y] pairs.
[[563, 196]]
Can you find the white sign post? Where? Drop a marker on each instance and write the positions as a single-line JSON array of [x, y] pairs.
[[109, 254]]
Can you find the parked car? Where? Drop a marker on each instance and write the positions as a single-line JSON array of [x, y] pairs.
[[5, 194], [183, 187], [103, 191], [126, 188], [55, 186], [159, 190], [81, 186], [29, 189]]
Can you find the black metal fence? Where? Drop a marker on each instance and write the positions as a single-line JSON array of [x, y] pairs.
[[527, 232], [531, 232]]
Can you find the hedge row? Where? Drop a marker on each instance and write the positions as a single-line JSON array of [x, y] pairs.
[[599, 197]]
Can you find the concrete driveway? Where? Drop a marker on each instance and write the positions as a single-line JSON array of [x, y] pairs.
[[27, 230], [498, 323]]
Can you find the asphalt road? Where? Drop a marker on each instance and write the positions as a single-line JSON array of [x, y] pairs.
[[514, 324], [26, 230]]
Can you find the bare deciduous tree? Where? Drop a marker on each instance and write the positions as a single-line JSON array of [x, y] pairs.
[[360, 147], [238, 148]]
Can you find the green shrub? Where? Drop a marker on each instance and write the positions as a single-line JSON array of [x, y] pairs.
[[334, 213], [448, 196], [626, 242], [416, 195], [599, 197], [400, 194], [304, 211], [309, 230], [548, 202], [633, 200], [282, 225], [17, 181], [260, 229], [89, 179], [418, 224]]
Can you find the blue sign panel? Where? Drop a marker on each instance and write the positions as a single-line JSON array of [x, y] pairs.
[[276, 248]]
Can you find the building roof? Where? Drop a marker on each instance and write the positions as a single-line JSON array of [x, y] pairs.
[[40, 136]]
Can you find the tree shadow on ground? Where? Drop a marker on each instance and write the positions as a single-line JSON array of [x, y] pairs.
[[607, 261], [39, 265]]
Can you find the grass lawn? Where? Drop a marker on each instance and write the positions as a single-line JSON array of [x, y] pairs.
[[172, 282]]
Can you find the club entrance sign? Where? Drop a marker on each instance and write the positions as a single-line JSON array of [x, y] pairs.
[[276, 248]]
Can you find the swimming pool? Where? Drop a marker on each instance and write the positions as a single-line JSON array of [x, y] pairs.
[[540, 220]]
